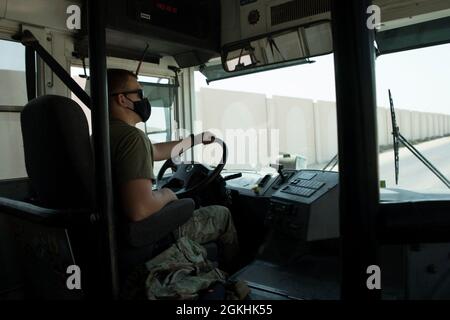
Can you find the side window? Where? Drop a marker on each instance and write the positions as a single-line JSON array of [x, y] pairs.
[[13, 97], [161, 93], [418, 81], [162, 96], [12, 81], [78, 75]]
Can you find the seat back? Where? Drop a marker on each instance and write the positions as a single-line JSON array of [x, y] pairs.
[[58, 153]]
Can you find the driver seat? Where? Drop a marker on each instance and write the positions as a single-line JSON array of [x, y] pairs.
[[59, 162]]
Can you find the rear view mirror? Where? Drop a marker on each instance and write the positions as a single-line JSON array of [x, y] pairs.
[[279, 47]]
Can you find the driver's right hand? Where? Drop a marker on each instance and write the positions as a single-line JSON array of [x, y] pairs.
[[170, 194]]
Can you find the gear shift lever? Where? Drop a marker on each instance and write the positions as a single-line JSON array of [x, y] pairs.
[[279, 168]]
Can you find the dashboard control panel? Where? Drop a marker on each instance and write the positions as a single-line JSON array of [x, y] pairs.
[[306, 206]]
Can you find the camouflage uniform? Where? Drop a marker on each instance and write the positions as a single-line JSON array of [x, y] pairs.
[[213, 224], [181, 272]]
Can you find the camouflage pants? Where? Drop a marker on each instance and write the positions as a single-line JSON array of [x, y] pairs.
[[210, 224]]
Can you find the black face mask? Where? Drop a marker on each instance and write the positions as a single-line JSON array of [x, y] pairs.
[[143, 108]]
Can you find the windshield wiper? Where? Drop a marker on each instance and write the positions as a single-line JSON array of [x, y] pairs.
[[398, 137], [395, 135], [333, 163]]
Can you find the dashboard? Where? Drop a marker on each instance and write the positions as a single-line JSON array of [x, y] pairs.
[[299, 258], [303, 205]]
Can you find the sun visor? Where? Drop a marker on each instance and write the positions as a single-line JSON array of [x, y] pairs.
[[214, 71], [160, 95], [415, 36]]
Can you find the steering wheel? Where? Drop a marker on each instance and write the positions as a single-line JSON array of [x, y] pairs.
[[191, 177]]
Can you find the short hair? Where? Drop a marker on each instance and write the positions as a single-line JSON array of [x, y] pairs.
[[117, 79]]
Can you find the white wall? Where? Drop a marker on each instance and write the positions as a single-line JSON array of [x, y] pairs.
[[384, 130], [13, 93], [307, 128], [12, 160], [227, 113], [293, 118], [325, 122], [416, 125], [12, 88], [404, 120], [304, 127]]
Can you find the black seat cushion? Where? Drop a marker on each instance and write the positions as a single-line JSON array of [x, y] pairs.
[[58, 153], [159, 224]]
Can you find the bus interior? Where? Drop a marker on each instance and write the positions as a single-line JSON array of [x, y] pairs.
[[312, 225]]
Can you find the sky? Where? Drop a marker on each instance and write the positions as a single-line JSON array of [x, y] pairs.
[[12, 56], [419, 79]]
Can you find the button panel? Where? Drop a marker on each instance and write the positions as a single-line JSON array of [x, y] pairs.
[[316, 185], [307, 175], [299, 191], [303, 185]]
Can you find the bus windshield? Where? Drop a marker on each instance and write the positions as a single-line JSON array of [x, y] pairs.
[[289, 115]]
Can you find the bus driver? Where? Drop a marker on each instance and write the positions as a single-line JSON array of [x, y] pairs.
[[132, 156]]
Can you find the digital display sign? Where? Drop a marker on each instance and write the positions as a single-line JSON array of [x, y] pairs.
[[167, 7], [188, 17]]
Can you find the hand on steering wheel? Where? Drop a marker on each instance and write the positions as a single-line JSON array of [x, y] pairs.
[[191, 177]]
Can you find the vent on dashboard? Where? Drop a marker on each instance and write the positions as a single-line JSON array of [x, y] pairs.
[[298, 9]]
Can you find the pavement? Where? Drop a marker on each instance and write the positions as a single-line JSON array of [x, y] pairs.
[[413, 173]]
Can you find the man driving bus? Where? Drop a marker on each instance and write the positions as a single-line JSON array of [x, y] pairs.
[[132, 156]]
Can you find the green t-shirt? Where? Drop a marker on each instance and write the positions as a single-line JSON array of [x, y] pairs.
[[131, 153]]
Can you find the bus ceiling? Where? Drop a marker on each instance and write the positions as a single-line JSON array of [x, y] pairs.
[[264, 35], [189, 31], [197, 31]]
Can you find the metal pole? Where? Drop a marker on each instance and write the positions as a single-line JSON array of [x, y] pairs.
[[100, 132], [30, 41], [30, 72], [354, 60]]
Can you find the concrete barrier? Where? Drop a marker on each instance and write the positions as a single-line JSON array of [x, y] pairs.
[[235, 117], [416, 125], [446, 125], [325, 121], [13, 86], [12, 159], [383, 117], [306, 127], [294, 119], [404, 122]]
